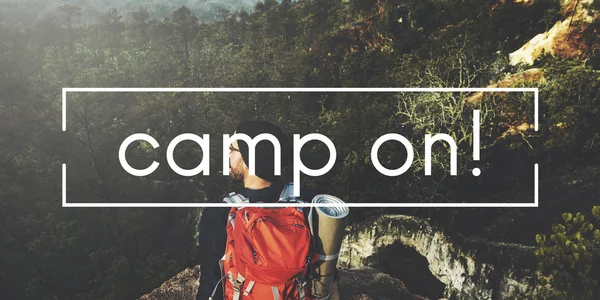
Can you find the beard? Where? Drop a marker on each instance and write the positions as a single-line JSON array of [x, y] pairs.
[[236, 173]]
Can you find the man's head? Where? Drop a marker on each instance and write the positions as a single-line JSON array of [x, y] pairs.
[[264, 152]]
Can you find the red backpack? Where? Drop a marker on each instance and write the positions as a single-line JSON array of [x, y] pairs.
[[267, 255]]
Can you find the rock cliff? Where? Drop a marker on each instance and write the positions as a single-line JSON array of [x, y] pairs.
[[565, 39]]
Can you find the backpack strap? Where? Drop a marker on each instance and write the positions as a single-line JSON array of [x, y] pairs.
[[236, 198], [300, 284], [323, 257], [231, 219], [249, 288], [287, 196], [275, 293]]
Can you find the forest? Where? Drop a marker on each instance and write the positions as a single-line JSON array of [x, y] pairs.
[[51, 252]]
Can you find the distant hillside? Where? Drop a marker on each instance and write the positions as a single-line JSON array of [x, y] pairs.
[[27, 12]]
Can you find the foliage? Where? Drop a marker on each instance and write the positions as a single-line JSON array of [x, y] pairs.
[[572, 113], [570, 258], [29, 11]]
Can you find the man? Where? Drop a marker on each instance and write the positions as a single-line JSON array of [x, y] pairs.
[[264, 186]]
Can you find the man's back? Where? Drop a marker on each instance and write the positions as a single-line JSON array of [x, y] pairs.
[[261, 186]]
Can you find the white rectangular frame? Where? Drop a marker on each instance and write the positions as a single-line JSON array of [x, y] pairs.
[[535, 203]]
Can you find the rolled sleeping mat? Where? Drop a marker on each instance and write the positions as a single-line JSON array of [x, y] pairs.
[[327, 225]]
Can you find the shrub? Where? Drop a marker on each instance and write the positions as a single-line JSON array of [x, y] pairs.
[[568, 258]]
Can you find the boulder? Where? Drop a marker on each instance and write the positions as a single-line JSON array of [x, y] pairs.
[[469, 268]]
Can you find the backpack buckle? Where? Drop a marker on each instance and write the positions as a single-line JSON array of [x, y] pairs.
[[237, 285], [238, 282]]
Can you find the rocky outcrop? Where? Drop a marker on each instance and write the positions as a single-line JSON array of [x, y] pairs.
[[564, 39], [355, 284], [469, 268], [533, 75], [184, 286], [370, 284]]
